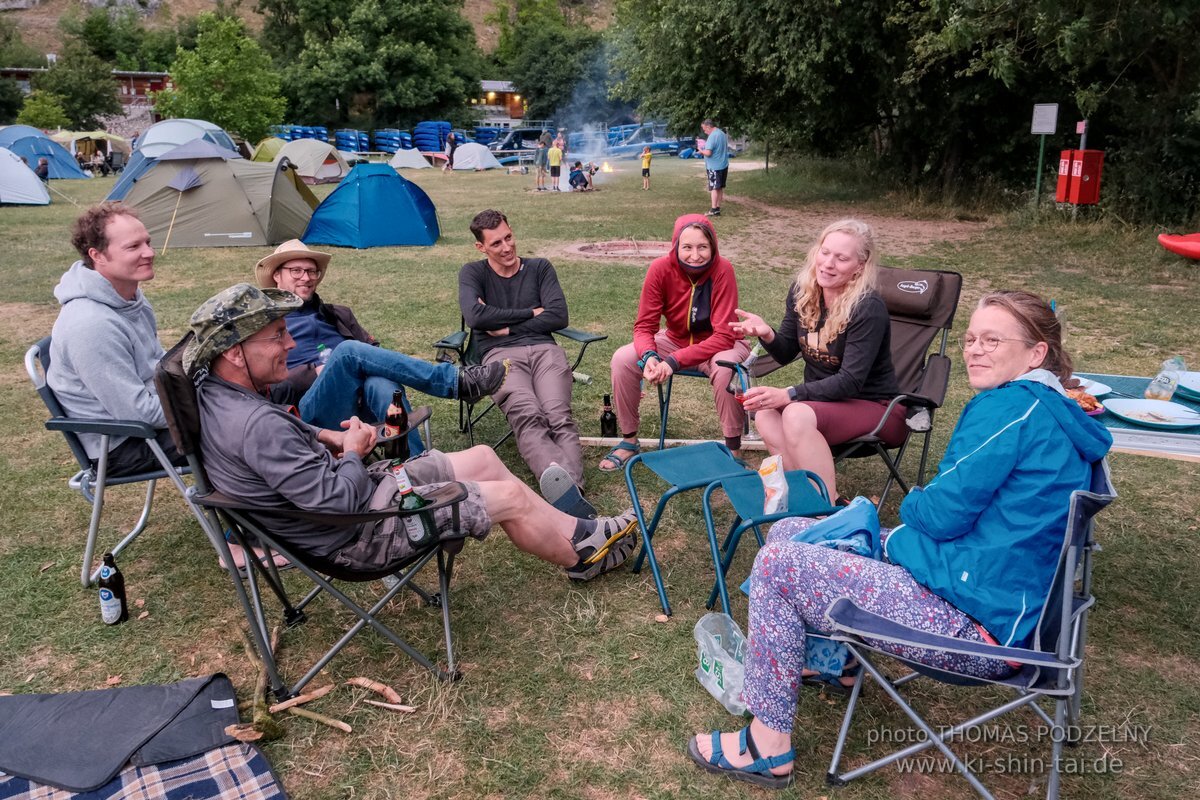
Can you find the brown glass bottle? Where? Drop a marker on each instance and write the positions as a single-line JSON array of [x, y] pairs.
[[394, 425]]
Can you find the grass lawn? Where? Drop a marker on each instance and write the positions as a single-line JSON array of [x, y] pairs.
[[576, 691]]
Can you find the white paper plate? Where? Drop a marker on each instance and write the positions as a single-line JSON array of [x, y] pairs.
[[1094, 388], [1153, 413], [1189, 385]]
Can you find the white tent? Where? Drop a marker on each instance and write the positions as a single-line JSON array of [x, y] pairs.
[[315, 161], [170, 133], [411, 159], [473, 155], [18, 184]]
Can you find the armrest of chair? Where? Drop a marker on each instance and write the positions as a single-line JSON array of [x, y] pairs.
[[583, 337], [852, 623], [111, 427], [416, 418], [447, 495], [453, 341]]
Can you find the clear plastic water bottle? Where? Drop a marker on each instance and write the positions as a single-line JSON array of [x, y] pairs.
[[322, 355], [1164, 383]]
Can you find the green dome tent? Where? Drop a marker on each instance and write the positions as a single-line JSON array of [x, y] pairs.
[[267, 149], [202, 196]]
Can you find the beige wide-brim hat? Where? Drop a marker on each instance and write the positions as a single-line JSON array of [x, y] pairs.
[[264, 271]]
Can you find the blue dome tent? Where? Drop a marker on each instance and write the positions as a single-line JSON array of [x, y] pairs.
[[374, 207], [33, 144]]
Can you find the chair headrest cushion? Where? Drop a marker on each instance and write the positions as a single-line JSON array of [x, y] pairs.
[[910, 293]]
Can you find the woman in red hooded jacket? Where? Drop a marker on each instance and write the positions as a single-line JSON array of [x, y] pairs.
[[695, 290]]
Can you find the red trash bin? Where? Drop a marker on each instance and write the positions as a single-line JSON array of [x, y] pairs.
[[1086, 168], [1064, 176]]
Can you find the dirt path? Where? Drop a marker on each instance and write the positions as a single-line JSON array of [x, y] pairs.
[[781, 236]]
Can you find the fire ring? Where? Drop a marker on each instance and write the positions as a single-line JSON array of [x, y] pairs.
[[621, 249]]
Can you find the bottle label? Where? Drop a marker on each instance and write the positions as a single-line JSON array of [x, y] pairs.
[[110, 607], [105, 572], [414, 529], [403, 485]]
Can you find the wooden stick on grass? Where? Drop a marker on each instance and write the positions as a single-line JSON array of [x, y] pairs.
[[301, 699], [321, 718], [393, 706], [389, 694]]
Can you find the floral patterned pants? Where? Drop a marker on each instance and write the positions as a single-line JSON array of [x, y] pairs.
[[792, 585]]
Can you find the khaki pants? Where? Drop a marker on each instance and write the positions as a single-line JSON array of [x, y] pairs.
[[536, 399]]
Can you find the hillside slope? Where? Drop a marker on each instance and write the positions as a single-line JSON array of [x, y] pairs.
[[39, 24]]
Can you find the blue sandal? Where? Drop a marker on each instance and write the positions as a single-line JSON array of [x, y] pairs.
[[758, 772], [615, 462]]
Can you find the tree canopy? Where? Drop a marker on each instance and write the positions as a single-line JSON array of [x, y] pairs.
[[373, 62], [85, 85], [226, 79], [559, 64], [43, 110], [939, 92]]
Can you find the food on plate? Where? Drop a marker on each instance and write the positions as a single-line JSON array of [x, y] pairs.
[[1086, 401]]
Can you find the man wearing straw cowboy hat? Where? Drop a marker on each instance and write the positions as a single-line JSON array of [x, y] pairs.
[[256, 450], [360, 376], [104, 345]]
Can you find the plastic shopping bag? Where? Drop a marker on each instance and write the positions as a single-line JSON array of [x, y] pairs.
[[775, 488], [721, 648]]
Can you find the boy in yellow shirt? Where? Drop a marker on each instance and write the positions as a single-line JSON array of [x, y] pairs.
[[646, 156], [554, 157]]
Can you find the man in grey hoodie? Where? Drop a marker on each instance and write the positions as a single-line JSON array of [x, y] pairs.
[[104, 345]]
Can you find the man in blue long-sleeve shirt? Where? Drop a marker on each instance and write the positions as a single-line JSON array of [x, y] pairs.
[[513, 305]]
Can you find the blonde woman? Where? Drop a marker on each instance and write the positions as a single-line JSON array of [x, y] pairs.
[[837, 322]]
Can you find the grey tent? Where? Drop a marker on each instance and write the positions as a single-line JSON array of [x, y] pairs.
[[201, 195]]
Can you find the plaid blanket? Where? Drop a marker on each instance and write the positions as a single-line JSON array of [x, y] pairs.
[[230, 772]]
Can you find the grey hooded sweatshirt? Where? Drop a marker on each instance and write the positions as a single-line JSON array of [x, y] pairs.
[[103, 354]]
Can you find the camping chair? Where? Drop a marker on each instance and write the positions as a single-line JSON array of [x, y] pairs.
[[91, 481], [807, 497], [460, 346], [921, 304], [1051, 667], [711, 466], [219, 513], [763, 365]]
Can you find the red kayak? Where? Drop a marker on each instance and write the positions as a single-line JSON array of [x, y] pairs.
[[1187, 246]]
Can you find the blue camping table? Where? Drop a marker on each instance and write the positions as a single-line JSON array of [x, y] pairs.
[[1182, 445]]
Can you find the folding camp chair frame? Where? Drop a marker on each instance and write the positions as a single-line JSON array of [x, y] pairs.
[[91, 482], [1051, 669], [807, 497], [246, 531], [218, 513], [462, 345]]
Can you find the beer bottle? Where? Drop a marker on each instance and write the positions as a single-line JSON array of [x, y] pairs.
[[417, 527], [409, 499], [113, 608], [395, 424], [608, 420]]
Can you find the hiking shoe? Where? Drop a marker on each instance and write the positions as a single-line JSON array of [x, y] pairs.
[[608, 546], [479, 380], [713, 212]]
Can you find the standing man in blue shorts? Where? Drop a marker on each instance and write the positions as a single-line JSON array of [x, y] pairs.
[[716, 163]]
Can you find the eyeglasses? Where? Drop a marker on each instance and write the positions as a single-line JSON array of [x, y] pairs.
[[263, 339], [300, 272], [988, 342]]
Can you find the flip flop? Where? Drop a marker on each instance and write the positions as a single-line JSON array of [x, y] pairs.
[[614, 461], [757, 772]]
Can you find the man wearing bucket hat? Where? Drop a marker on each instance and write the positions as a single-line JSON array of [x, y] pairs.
[[360, 377], [256, 450]]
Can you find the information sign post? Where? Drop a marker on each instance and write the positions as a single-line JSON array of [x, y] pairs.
[[1045, 123]]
